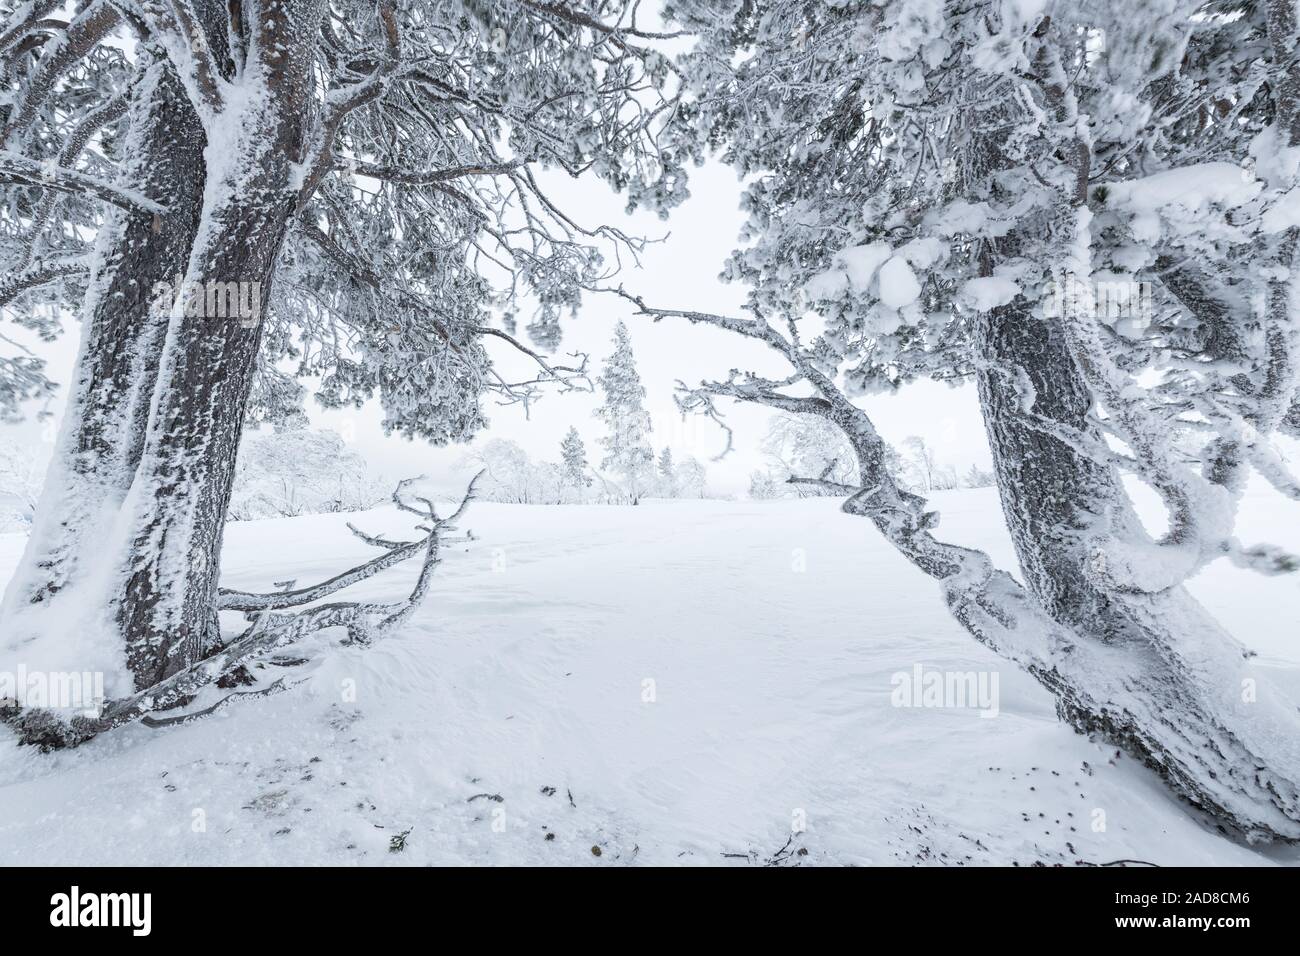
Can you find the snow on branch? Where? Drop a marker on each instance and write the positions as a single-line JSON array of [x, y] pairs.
[[22, 171], [29, 18], [834, 486], [397, 552], [426, 177], [562, 12], [751, 328], [341, 101], [35, 276], [568, 378], [565, 377], [86, 30]]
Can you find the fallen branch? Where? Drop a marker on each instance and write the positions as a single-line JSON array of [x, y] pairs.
[[275, 688], [398, 551], [268, 631]]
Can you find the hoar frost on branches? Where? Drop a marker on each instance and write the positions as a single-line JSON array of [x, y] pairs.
[[295, 471], [1097, 221]]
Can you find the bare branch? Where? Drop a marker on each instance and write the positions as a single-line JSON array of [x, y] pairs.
[[411, 177], [751, 328], [579, 18]]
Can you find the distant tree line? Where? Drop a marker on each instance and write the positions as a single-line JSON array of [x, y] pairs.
[[804, 447]]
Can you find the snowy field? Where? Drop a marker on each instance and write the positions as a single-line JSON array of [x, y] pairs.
[[513, 721]]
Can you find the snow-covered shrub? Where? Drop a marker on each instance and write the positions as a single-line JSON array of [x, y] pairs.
[[692, 478], [300, 471], [763, 487], [511, 477], [801, 446]]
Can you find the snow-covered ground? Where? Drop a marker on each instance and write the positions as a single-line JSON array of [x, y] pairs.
[[684, 682]]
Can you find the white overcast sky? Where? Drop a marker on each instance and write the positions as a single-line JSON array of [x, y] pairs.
[[680, 272]]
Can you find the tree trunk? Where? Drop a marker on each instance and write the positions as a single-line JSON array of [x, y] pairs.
[[166, 603], [102, 436], [1154, 673], [1055, 498]]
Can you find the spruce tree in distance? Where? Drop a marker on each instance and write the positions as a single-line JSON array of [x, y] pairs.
[[668, 473], [574, 454], [628, 452]]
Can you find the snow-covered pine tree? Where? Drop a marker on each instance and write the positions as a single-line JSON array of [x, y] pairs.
[[338, 189], [573, 457], [627, 440], [667, 473], [953, 187]]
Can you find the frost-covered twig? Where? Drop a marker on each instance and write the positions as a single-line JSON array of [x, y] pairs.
[[277, 687], [90, 26], [37, 275], [835, 486], [22, 171], [397, 552]]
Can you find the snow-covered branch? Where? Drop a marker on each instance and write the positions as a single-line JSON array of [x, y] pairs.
[[21, 171]]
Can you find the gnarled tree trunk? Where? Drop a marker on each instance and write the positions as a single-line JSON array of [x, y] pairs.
[[1054, 497], [1182, 698], [165, 604]]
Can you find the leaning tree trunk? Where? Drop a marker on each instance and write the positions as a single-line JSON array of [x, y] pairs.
[[1174, 689], [1057, 500], [102, 436], [1234, 754], [166, 603], [1150, 669]]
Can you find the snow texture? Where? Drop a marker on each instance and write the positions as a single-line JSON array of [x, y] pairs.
[[517, 698]]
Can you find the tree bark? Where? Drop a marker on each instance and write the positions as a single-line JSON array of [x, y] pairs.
[[1055, 497], [167, 600], [102, 436]]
